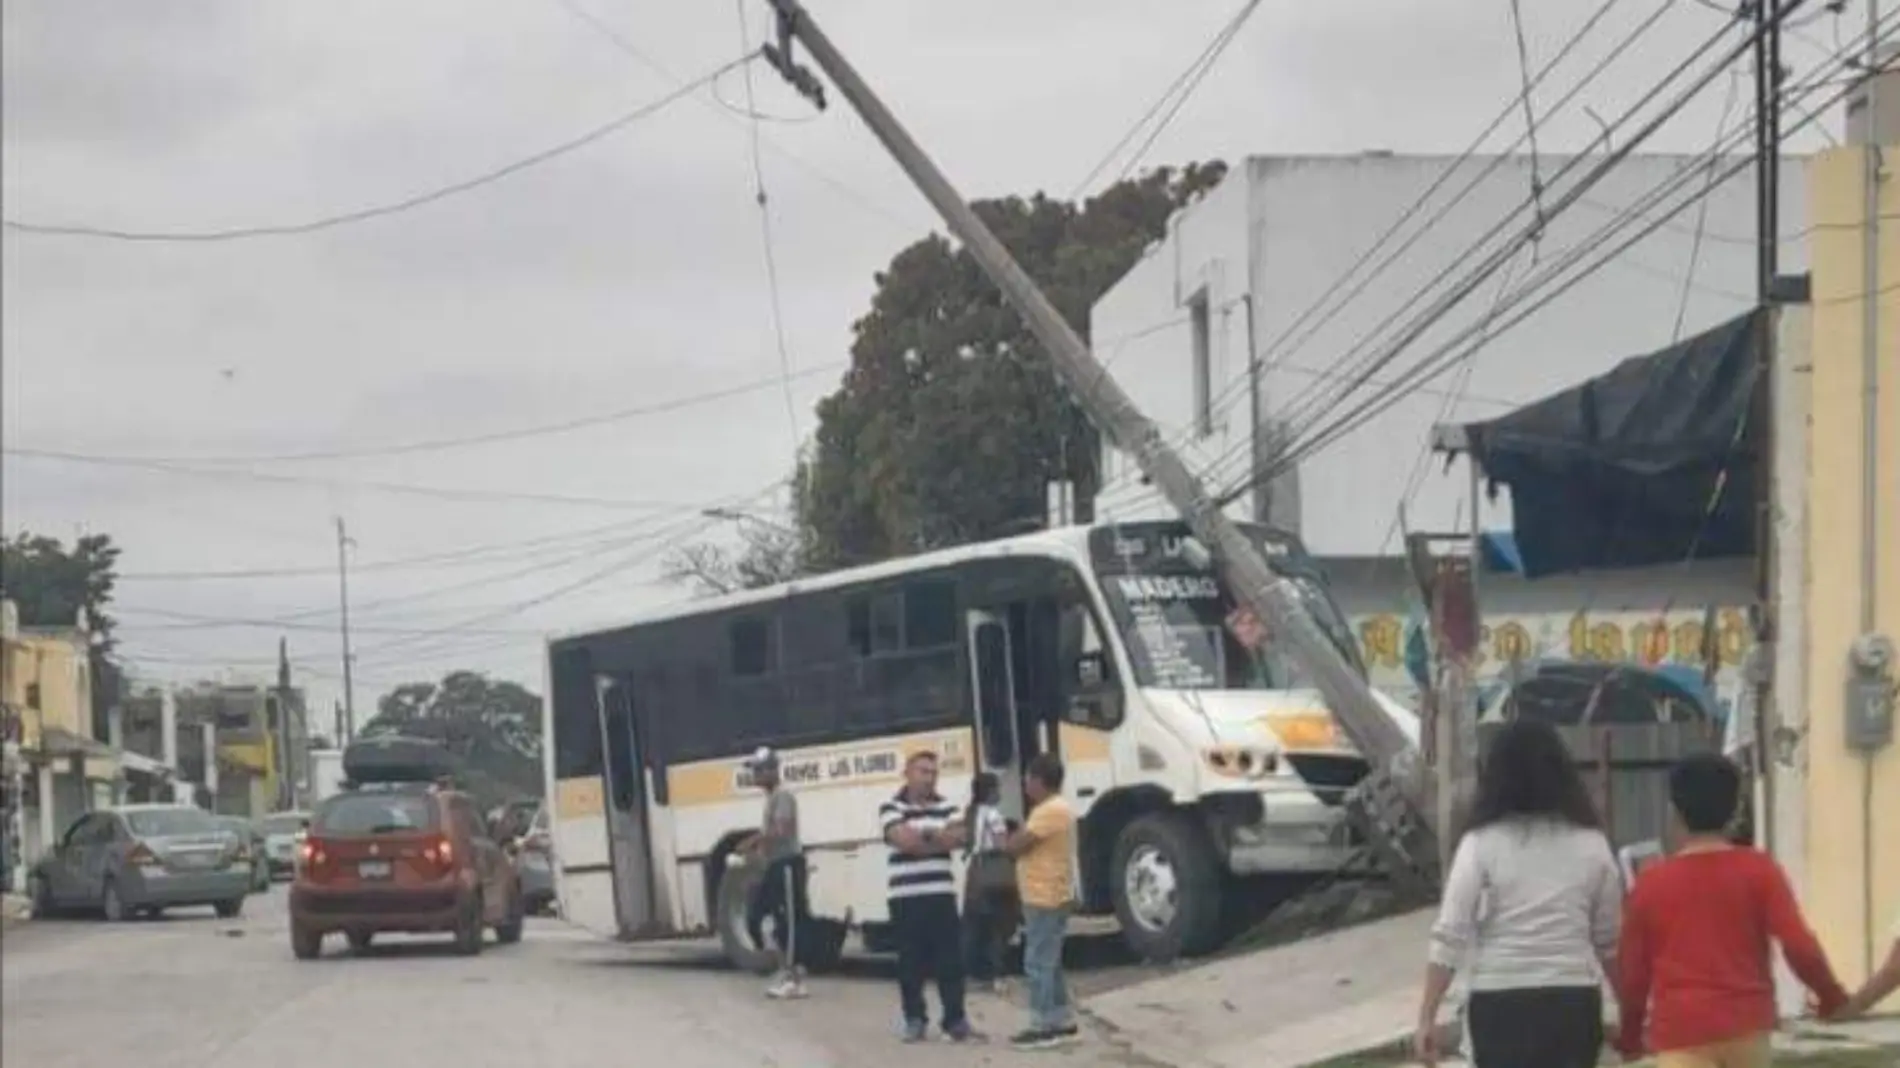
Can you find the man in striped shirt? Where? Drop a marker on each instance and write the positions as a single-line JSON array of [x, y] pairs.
[[923, 830]]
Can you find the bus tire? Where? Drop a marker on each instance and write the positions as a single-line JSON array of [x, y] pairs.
[[1168, 887], [736, 888]]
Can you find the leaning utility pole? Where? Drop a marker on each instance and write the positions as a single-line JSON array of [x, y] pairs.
[[1767, 59], [343, 588], [1394, 806]]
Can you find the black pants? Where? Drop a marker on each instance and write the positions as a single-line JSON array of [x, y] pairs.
[[988, 922], [1546, 1027], [929, 942], [781, 896]]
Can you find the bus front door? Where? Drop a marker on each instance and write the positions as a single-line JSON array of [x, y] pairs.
[[992, 682], [629, 837]]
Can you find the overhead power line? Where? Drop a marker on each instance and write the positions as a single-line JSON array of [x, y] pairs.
[[1371, 354], [1292, 338], [565, 426], [730, 114], [409, 203], [1178, 91], [468, 556], [399, 488], [1460, 346], [769, 246]]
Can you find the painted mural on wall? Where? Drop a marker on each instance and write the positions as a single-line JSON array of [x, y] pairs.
[[1651, 639]]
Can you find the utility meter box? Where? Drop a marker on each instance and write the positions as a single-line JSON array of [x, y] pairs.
[[1871, 692]]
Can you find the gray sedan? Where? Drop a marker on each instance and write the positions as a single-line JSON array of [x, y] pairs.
[[141, 859]]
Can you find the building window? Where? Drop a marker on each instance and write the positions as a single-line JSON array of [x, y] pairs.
[[1203, 369]]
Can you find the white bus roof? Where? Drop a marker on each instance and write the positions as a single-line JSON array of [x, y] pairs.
[[1068, 543]]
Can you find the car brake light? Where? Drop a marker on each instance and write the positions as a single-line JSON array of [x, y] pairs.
[[440, 852], [312, 854], [141, 856]]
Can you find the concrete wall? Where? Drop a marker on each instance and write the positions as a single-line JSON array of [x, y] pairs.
[[1301, 224], [1143, 330], [1648, 615], [1852, 826], [59, 665]]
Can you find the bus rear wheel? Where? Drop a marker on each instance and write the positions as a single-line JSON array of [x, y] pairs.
[[1168, 887]]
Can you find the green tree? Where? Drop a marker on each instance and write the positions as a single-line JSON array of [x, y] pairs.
[[950, 424], [492, 725], [53, 585], [766, 555]]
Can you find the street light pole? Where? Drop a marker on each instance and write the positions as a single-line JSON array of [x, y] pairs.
[[1394, 807], [343, 543]]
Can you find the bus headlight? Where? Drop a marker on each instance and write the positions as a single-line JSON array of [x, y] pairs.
[[1241, 761]]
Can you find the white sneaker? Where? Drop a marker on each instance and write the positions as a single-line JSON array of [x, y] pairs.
[[787, 988]]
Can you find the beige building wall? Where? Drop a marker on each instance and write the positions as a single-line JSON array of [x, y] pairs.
[[1849, 835]]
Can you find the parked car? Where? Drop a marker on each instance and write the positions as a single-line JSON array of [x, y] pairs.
[[281, 832], [534, 856], [141, 859], [250, 845], [402, 851]]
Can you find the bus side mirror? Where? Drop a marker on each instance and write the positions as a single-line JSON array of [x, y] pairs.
[[1091, 672]]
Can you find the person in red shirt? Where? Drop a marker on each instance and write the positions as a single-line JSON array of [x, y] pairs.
[[1696, 985]]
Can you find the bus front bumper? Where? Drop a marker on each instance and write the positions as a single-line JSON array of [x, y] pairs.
[[1294, 833]]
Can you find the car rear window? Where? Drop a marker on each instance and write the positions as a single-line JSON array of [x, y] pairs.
[[375, 814], [283, 823], [167, 822]]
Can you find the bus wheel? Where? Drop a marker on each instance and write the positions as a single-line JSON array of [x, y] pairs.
[[736, 888], [1168, 888]]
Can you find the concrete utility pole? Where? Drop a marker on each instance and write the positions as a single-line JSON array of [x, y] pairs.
[[343, 544], [287, 748], [1394, 806]]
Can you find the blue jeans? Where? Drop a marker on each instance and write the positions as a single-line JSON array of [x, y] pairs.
[[1043, 931]]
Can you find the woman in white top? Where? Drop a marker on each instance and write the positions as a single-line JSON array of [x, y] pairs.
[[989, 896], [1531, 912]]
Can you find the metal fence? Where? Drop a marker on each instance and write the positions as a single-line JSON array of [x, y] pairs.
[[1626, 767]]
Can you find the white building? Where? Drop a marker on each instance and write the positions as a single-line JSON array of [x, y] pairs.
[[1211, 334]]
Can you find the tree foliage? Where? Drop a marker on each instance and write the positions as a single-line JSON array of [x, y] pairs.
[[950, 425], [52, 584], [765, 556], [492, 725]]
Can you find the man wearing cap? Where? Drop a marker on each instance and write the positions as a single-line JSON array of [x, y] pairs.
[[781, 893]]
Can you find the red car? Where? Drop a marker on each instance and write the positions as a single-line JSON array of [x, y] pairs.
[[402, 857]]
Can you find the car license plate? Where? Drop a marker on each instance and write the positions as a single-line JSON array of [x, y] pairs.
[[373, 869], [191, 860]]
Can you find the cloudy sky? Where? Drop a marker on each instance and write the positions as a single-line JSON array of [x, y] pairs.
[[248, 392]]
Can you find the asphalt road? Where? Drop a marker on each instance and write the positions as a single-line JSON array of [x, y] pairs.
[[191, 991]]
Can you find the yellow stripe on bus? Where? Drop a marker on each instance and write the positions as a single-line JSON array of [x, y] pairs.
[[576, 799], [1082, 744]]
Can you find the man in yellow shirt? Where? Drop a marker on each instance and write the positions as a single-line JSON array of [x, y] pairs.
[[1045, 874]]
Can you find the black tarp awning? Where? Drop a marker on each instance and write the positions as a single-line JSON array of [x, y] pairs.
[[1655, 462]]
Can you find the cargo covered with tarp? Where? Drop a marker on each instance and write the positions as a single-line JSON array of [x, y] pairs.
[[397, 759], [1655, 462]]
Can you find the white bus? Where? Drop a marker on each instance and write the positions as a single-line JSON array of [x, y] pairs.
[[1207, 776]]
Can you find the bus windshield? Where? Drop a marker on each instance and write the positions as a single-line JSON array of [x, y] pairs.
[[1179, 620]]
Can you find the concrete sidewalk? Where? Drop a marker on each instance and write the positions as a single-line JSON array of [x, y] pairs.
[[1294, 1005], [14, 908]]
